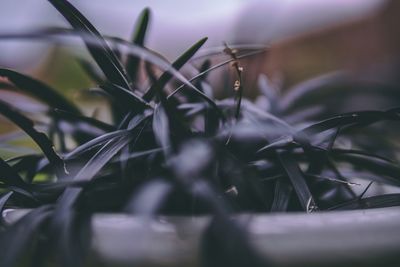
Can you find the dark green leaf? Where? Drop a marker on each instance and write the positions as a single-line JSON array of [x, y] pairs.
[[128, 99], [39, 90], [15, 242], [385, 171], [282, 193], [74, 118], [147, 55], [359, 117], [101, 53], [132, 63], [94, 143], [149, 198], [161, 129], [40, 138], [178, 63], [64, 214], [205, 72], [381, 201], [298, 181], [3, 200], [9, 176]]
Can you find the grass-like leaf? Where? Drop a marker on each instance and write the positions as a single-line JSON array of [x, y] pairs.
[[150, 198], [161, 129], [74, 118], [13, 181], [298, 181], [385, 171], [40, 138], [64, 214], [132, 62], [21, 235], [3, 200], [177, 64], [361, 117], [214, 67], [101, 53], [39, 90], [125, 97], [60, 38], [282, 193], [381, 201], [94, 143]]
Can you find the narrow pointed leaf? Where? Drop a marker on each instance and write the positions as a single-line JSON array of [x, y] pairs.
[[74, 118], [282, 193], [60, 38], [101, 53], [298, 181], [166, 76], [94, 143], [39, 90], [40, 138], [132, 62], [9, 176], [125, 97], [161, 129], [381, 201]]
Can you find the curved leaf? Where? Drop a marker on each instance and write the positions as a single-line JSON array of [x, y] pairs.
[[39, 90], [40, 138], [101, 53], [178, 63]]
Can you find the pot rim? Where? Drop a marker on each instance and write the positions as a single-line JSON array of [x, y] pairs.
[[338, 238]]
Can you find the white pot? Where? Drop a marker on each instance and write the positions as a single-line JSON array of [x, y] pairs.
[[340, 238]]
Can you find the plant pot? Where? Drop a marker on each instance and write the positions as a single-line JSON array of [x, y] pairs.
[[341, 238]]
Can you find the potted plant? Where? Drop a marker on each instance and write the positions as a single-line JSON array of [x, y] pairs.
[[180, 178]]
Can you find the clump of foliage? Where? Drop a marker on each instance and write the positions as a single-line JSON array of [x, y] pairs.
[[174, 149]]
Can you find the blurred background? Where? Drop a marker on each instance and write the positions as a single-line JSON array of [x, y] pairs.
[[177, 24]]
